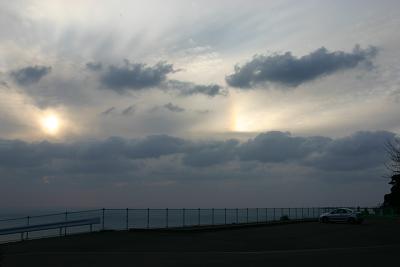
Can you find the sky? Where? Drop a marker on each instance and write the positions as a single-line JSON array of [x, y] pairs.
[[197, 103]]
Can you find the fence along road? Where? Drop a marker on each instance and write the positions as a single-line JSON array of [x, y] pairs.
[[124, 219]]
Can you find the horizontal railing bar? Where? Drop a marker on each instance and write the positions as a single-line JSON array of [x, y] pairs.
[[49, 226]]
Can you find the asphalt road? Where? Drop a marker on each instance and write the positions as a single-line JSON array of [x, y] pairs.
[[374, 243]]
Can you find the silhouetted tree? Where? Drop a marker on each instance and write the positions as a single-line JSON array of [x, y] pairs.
[[393, 198]]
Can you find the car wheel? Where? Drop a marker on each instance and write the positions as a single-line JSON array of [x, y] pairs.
[[351, 220], [324, 219]]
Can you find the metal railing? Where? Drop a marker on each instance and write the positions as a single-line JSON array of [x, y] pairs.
[[125, 219]]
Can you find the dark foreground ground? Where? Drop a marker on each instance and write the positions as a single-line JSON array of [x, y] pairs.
[[374, 243]]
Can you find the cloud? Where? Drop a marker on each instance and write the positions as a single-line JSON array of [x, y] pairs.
[[173, 108], [108, 111], [139, 76], [30, 75], [128, 110], [4, 84], [94, 66], [116, 156], [188, 88], [134, 76], [211, 153], [278, 146], [291, 71], [361, 150]]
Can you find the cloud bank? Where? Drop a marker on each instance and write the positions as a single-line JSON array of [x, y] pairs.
[[117, 156]]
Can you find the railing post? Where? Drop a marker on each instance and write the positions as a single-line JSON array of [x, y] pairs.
[[237, 216], [212, 216], [66, 219], [127, 218], [102, 221], [225, 216], [183, 217], [256, 215], [27, 221], [198, 216], [166, 217], [148, 218]]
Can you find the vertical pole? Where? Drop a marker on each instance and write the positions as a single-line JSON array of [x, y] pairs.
[[66, 219], [148, 218], [212, 216], [237, 216], [198, 216], [247, 215], [256, 215], [102, 221], [127, 219], [183, 217], [166, 217], [27, 221], [225, 216]]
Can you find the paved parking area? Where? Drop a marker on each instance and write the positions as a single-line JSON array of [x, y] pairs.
[[373, 243]]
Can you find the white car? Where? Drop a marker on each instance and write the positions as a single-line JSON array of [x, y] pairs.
[[341, 215]]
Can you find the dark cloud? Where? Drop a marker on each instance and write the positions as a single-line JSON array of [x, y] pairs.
[[135, 76], [173, 108], [115, 156], [361, 150], [289, 70], [211, 153], [187, 88], [128, 110], [139, 76], [358, 151], [108, 111], [94, 66], [280, 147], [30, 75], [4, 84]]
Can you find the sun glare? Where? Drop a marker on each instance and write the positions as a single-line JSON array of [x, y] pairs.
[[51, 124]]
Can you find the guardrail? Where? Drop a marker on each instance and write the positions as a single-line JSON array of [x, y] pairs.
[[49, 226], [125, 219]]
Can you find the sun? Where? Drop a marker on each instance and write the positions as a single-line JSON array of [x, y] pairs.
[[51, 124]]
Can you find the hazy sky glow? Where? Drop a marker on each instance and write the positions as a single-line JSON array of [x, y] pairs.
[[197, 103]]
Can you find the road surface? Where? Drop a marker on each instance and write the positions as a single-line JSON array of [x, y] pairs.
[[374, 243]]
